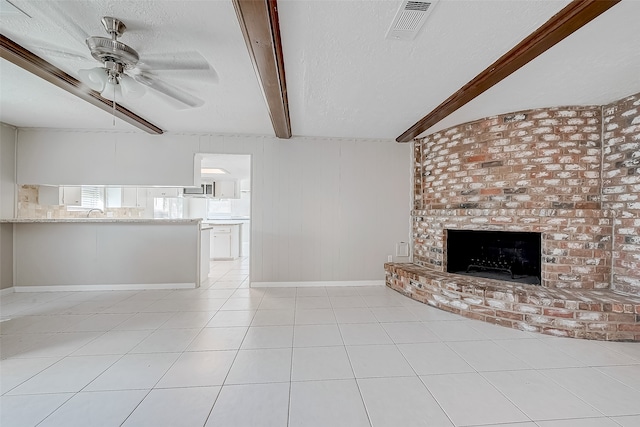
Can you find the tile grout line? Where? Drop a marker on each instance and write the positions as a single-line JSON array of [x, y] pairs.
[[420, 379], [172, 364], [364, 405], [609, 354], [230, 366], [56, 409], [293, 337]]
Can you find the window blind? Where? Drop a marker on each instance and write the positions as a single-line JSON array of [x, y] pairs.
[[92, 197]]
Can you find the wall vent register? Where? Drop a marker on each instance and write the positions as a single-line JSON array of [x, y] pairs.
[[410, 18]]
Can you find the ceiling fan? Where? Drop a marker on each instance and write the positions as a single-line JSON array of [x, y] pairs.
[[123, 75]]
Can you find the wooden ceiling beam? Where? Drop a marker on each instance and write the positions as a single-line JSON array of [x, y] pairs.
[[571, 18], [27, 60], [261, 29]]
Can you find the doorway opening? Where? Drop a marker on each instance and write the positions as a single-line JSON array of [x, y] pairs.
[[224, 206]]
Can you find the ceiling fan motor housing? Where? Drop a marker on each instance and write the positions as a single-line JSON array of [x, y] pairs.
[[111, 50]]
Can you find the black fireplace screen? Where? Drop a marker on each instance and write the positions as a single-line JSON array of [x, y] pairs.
[[501, 255]]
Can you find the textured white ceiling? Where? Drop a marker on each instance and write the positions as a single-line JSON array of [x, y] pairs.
[[233, 105], [344, 79], [349, 80], [596, 65]]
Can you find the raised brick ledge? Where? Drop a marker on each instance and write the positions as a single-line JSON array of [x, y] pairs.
[[576, 313]]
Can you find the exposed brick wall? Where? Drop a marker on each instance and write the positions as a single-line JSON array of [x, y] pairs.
[[621, 189], [576, 244], [536, 159], [591, 314], [535, 171], [571, 174]]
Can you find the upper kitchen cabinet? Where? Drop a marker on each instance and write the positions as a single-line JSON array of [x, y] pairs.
[[70, 196], [226, 189], [164, 192], [133, 197], [49, 195], [129, 197], [113, 197], [245, 186]]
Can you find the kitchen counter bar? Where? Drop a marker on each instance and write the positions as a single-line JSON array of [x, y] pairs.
[[105, 254], [100, 220], [224, 221]]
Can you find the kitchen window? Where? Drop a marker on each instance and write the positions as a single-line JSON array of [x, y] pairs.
[[92, 197]]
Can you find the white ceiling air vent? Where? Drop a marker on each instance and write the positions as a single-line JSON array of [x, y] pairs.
[[409, 19]]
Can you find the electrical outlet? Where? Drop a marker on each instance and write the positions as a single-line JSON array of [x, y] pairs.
[[389, 258]]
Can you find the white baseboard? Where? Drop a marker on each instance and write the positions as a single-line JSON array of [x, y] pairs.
[[6, 291], [316, 284], [108, 287]]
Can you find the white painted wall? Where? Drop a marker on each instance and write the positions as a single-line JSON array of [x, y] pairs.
[[7, 171], [321, 209], [7, 202], [6, 256], [105, 158]]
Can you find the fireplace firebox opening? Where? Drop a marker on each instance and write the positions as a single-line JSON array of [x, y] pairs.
[[499, 255]]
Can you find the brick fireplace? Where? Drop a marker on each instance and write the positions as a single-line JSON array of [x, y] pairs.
[[501, 255], [571, 174]]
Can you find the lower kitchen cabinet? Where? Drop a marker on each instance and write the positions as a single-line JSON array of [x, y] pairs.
[[225, 241]]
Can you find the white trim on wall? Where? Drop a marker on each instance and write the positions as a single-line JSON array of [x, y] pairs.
[[6, 291], [107, 287], [334, 283]]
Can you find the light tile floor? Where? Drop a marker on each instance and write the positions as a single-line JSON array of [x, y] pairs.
[[230, 356]]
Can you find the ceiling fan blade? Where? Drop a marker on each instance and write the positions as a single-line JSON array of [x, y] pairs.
[[169, 90], [51, 12], [174, 61], [201, 76], [54, 52]]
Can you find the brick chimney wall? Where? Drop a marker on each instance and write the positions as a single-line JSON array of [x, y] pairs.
[[621, 189], [542, 171]]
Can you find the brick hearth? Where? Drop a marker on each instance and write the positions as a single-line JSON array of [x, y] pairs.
[[571, 174], [576, 313]]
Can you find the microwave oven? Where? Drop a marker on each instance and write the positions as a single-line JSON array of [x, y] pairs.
[[203, 190]]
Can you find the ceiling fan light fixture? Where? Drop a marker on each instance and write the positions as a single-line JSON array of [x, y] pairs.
[[131, 89], [112, 89], [111, 80], [96, 78]]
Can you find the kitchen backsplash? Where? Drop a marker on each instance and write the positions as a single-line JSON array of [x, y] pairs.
[[30, 207]]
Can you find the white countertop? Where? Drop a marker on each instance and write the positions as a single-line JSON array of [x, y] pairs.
[[102, 220], [224, 221]]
